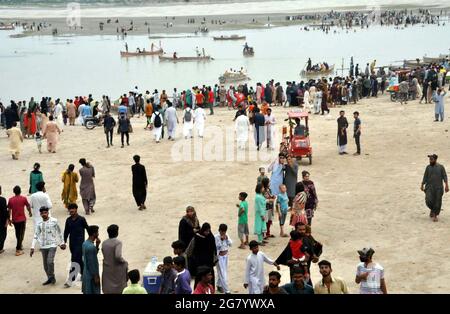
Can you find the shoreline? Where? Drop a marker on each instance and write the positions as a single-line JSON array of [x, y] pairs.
[[163, 26]]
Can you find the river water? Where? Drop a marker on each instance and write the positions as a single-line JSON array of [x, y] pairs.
[[68, 66]]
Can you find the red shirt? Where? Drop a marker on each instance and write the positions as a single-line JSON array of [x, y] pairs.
[[211, 97], [199, 98], [201, 289], [296, 249], [17, 204]]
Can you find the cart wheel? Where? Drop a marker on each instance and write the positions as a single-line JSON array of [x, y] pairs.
[[310, 159], [393, 97]]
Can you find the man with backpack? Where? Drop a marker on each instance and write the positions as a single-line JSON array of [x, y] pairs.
[[188, 123], [157, 123]]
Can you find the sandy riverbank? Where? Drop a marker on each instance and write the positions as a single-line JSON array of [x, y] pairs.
[[372, 200], [178, 24]]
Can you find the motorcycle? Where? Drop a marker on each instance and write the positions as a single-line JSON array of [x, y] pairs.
[[92, 122]]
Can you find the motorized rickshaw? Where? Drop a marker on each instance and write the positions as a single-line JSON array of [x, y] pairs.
[[299, 145], [393, 88]]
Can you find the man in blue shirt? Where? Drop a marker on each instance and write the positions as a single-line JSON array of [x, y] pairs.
[[298, 285]]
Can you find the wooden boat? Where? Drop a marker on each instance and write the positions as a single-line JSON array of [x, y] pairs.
[[142, 53], [414, 63], [232, 37], [311, 74], [180, 59], [5, 27], [434, 60], [233, 77]]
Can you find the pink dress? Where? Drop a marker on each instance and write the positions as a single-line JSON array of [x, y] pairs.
[[51, 132]]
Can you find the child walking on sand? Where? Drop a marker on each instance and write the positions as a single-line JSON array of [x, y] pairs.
[[39, 142], [282, 208], [243, 219], [223, 244], [262, 175]]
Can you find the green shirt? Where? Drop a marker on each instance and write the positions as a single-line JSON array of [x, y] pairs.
[[134, 288], [243, 219]]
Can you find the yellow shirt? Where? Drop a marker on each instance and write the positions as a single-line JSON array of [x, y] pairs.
[[338, 286], [134, 289]]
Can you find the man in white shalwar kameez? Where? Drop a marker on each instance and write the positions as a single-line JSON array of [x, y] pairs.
[[157, 131], [312, 96], [223, 244], [270, 129], [318, 103], [58, 116], [188, 122], [254, 270], [242, 125], [306, 100], [37, 200], [199, 120], [171, 121]]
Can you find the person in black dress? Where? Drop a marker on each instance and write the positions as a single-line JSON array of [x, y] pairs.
[[139, 183], [202, 251], [188, 226], [4, 217]]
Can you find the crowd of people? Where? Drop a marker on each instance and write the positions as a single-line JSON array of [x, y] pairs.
[[197, 250], [200, 254], [47, 119], [363, 19]]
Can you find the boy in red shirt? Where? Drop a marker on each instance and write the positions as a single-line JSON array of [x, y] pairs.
[[204, 286], [16, 212]]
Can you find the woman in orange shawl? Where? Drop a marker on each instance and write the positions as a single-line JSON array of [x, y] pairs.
[[29, 121]]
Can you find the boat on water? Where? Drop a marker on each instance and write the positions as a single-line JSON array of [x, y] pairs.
[[312, 74], [232, 37], [414, 63], [180, 59], [436, 59], [229, 77], [7, 27], [142, 53]]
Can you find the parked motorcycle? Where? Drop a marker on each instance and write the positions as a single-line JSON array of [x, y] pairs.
[[92, 122]]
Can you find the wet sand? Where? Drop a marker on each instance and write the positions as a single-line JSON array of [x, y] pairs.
[[373, 199]]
